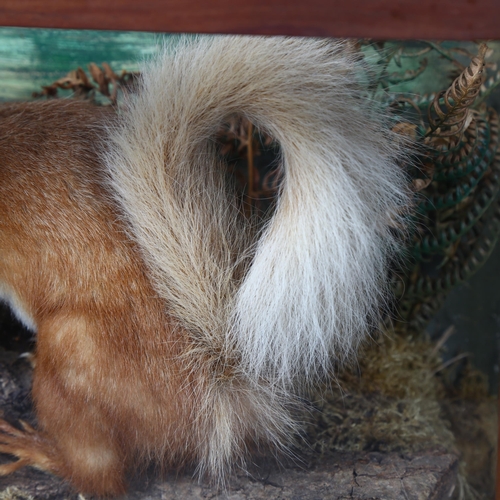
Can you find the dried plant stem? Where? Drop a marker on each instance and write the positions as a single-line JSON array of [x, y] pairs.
[[449, 112], [251, 183]]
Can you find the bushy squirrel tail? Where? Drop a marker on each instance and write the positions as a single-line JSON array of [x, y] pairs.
[[270, 308]]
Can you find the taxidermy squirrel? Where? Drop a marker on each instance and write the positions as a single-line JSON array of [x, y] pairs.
[[169, 329]]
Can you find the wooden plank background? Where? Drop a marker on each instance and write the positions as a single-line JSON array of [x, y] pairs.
[[382, 19]]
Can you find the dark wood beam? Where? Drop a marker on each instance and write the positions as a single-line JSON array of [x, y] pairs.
[[381, 19]]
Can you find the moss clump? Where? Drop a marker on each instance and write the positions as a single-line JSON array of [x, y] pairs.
[[399, 398]]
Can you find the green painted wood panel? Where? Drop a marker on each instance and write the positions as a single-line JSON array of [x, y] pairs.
[[30, 58]]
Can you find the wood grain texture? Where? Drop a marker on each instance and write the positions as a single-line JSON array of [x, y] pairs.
[[383, 19], [428, 475]]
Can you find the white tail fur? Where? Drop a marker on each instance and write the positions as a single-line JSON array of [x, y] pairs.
[[278, 305]]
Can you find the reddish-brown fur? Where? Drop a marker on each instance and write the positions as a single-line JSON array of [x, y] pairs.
[[109, 384]]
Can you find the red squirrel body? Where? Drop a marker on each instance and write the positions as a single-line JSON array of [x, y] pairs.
[[169, 327], [108, 383]]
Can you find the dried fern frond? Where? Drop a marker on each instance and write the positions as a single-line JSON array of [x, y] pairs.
[[469, 256], [75, 80], [109, 82], [456, 176], [79, 83], [447, 234], [449, 114]]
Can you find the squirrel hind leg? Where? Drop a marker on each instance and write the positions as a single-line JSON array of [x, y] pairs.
[[66, 391], [33, 448], [76, 438]]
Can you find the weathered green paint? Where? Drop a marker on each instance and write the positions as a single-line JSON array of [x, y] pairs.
[[30, 58]]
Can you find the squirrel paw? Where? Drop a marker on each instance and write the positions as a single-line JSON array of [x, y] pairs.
[[28, 445]]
